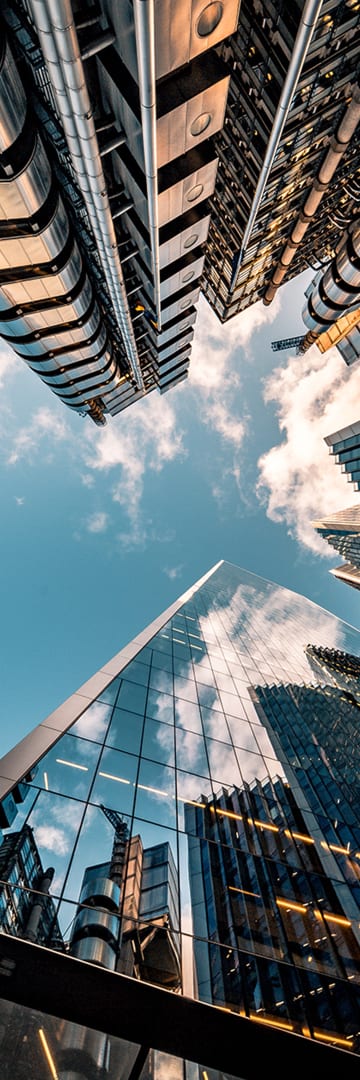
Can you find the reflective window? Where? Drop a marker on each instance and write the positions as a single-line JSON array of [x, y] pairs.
[[213, 792]]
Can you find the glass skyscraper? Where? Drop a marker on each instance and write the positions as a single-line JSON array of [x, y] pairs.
[[342, 531], [180, 859]]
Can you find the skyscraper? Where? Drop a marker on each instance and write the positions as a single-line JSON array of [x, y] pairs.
[[288, 177], [342, 532], [344, 445], [150, 150], [199, 801], [107, 166]]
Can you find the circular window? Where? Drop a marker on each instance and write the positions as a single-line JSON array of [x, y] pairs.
[[195, 192], [188, 276], [191, 240], [209, 19], [200, 123]]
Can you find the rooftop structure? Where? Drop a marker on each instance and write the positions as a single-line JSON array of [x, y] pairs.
[[200, 797]]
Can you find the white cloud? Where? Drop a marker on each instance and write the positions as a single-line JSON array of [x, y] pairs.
[[315, 395], [98, 523], [45, 423], [212, 374], [87, 480], [93, 722], [173, 572], [52, 839], [215, 343], [215, 379], [19, 499], [10, 363], [148, 437]]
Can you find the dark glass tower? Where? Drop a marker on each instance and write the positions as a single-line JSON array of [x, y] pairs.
[[342, 532], [198, 800]]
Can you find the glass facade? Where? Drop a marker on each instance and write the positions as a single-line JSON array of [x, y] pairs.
[[201, 816]]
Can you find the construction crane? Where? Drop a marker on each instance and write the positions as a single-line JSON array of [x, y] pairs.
[[287, 343], [119, 850]]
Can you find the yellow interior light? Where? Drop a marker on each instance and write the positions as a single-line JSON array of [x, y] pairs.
[[291, 906], [48, 1054], [339, 919]]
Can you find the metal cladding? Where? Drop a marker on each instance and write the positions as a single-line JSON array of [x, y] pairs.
[[288, 175], [106, 168], [338, 146], [48, 310], [336, 291]]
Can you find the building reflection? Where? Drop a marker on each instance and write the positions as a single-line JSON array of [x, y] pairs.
[[195, 826]]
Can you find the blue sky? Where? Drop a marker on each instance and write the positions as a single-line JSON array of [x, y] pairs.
[[102, 528]]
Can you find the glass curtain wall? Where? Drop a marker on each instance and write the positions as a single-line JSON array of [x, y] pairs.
[[198, 827]]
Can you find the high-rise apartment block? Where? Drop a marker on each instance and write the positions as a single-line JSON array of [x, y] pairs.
[[150, 150], [197, 803]]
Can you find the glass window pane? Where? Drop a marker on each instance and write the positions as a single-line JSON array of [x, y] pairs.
[[155, 799], [185, 688], [115, 781], [160, 706], [187, 715], [223, 764], [94, 722], [132, 697], [215, 724], [191, 753], [125, 731], [69, 767], [158, 742]]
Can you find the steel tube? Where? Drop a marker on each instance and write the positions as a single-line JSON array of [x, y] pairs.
[[58, 39], [145, 46]]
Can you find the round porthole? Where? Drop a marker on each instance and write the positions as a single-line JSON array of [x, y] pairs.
[[195, 192], [191, 240], [188, 277], [209, 19], [200, 123]]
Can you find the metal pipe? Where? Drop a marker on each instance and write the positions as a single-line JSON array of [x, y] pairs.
[[339, 144], [97, 44], [145, 47], [302, 43], [58, 39], [119, 210], [116, 140]]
